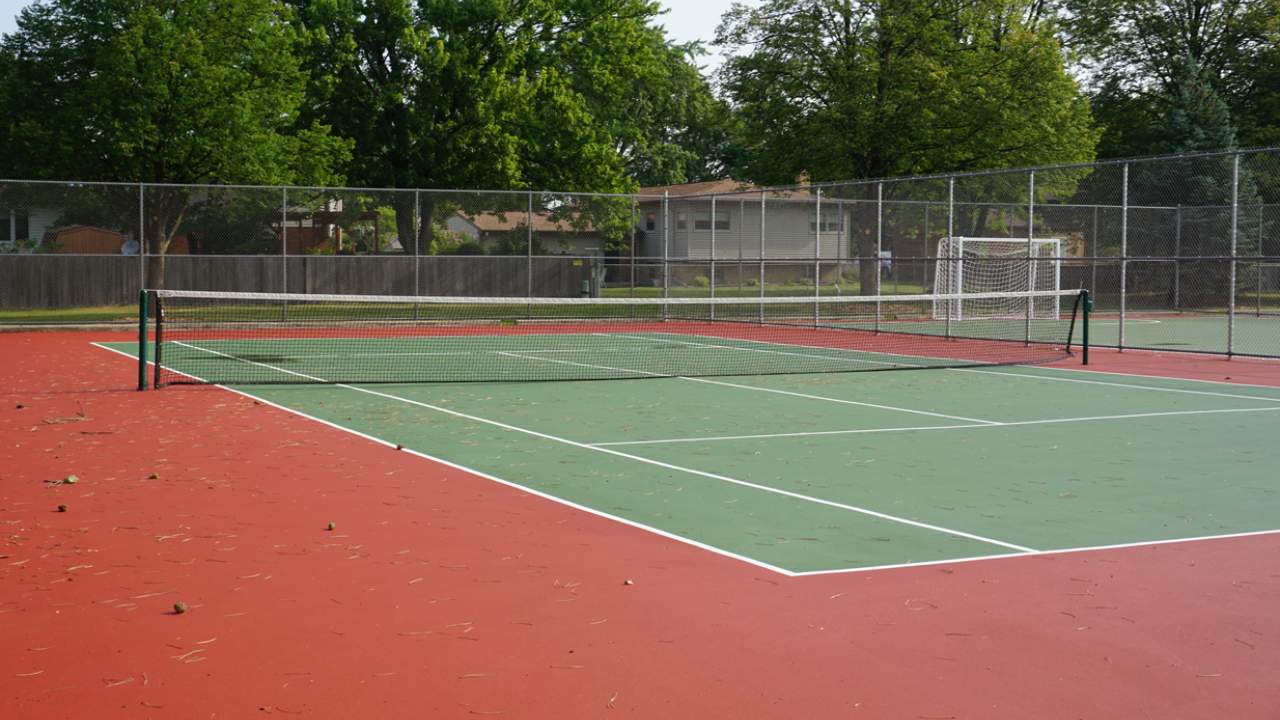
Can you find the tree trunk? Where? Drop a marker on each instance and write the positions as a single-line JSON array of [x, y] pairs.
[[426, 230], [864, 229], [159, 247], [405, 223]]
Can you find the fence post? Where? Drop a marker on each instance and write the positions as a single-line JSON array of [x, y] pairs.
[[417, 247], [1257, 271], [880, 244], [713, 255], [1124, 253], [635, 218], [817, 256], [761, 279], [1231, 285], [666, 249], [284, 239], [528, 256], [1093, 255], [1031, 260], [142, 233], [951, 220], [1177, 257]]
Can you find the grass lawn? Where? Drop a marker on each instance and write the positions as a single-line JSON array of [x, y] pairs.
[[112, 313]]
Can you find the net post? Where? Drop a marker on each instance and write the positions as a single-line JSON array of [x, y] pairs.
[[142, 339], [1124, 252], [1235, 227], [817, 256], [1031, 261], [159, 313], [1086, 301]]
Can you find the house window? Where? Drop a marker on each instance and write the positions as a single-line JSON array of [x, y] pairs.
[[14, 225], [650, 222], [702, 220], [830, 223], [682, 221]]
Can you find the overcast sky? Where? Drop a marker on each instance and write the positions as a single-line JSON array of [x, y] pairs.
[[685, 20]]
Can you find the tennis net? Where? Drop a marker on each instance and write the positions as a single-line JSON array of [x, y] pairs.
[[256, 338]]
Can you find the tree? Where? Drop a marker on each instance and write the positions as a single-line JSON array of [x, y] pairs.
[[834, 89], [1143, 44], [568, 94], [159, 91], [1135, 52]]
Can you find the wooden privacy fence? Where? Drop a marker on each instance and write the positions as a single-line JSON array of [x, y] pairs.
[[71, 281]]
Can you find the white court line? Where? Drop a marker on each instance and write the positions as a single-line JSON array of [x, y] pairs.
[[467, 353], [701, 473], [862, 431], [647, 461], [1131, 386], [479, 473], [1041, 553], [1164, 377], [710, 548], [757, 389], [844, 402], [663, 337]]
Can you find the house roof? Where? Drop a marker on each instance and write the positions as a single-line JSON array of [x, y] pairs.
[[727, 185], [542, 222]]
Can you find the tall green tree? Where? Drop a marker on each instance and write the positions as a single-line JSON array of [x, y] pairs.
[[1135, 53], [835, 89], [508, 94], [159, 91]]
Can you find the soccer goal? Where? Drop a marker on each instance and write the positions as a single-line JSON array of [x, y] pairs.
[[996, 265]]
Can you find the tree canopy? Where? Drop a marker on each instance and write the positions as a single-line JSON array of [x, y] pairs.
[[832, 89], [159, 91]]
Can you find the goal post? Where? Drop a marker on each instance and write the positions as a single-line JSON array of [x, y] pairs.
[[966, 265]]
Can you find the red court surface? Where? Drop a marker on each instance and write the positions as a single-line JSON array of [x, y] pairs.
[[442, 594]]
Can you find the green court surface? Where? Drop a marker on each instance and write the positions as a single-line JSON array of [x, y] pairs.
[[842, 471], [1254, 335]]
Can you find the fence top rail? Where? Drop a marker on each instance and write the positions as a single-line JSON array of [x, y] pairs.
[[758, 193], [325, 188], [1009, 171]]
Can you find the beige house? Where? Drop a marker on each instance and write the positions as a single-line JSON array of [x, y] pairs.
[[730, 216]]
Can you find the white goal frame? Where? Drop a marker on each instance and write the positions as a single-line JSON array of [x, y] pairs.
[[949, 277]]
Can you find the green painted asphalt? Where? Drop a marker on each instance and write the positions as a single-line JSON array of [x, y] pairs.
[[871, 491]]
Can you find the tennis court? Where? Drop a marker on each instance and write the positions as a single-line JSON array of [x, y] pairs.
[[771, 455], [797, 509]]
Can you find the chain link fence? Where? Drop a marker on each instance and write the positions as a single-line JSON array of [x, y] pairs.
[[1181, 253]]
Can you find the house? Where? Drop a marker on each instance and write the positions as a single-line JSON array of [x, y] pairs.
[[560, 235], [24, 225], [728, 214]]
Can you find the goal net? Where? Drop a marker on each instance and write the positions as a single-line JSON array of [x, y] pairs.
[[993, 265]]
